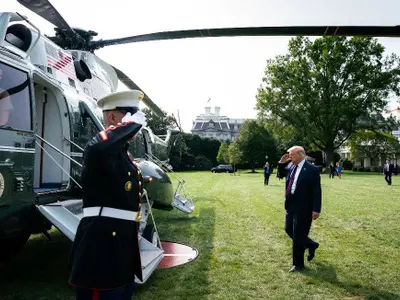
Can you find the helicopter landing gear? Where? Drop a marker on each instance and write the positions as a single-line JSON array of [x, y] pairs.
[[151, 235], [47, 235]]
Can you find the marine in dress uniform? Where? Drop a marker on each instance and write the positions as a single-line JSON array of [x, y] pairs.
[[105, 255]]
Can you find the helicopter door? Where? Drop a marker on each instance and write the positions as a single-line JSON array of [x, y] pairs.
[[51, 126]]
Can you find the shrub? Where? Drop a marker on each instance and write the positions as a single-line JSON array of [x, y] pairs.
[[367, 169], [202, 163], [347, 165], [355, 169], [361, 169]]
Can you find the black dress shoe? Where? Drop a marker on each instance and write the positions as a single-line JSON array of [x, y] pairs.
[[296, 269], [311, 252]]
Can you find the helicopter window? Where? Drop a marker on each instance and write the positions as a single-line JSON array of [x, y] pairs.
[[138, 147], [71, 82], [86, 132], [15, 104]]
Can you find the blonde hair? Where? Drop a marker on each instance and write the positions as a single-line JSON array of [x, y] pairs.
[[298, 149]]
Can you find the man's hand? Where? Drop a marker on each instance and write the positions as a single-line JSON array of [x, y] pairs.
[[315, 215], [284, 158], [139, 117]]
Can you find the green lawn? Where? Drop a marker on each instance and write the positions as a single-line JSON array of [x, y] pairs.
[[244, 252]]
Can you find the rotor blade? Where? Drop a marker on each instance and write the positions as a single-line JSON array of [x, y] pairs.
[[133, 86], [377, 31], [47, 11]]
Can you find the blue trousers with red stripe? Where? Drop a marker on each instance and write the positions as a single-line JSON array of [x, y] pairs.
[[124, 293]]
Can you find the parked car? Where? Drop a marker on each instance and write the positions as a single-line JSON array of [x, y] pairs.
[[222, 169]]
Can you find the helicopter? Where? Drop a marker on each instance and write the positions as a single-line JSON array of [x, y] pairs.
[[48, 112]]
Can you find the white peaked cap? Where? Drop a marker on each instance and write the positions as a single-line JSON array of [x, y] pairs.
[[129, 98]]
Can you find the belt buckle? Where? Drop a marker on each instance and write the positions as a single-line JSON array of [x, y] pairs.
[[138, 216]]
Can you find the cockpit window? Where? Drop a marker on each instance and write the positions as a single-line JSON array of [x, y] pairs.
[[137, 147], [15, 104]]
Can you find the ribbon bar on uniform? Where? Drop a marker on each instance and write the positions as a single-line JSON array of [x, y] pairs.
[[112, 213]]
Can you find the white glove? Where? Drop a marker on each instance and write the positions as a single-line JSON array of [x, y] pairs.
[[138, 117]]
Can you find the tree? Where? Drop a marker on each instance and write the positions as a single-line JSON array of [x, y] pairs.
[[329, 88], [285, 135], [177, 148], [373, 144], [159, 125], [234, 155], [223, 155], [202, 163], [255, 142], [203, 146], [187, 151]]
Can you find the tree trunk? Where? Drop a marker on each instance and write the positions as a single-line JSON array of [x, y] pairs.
[[329, 159], [252, 168]]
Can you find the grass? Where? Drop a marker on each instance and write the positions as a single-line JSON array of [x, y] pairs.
[[237, 227]]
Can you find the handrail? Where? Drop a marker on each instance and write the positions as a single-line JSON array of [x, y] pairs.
[[59, 151], [76, 145]]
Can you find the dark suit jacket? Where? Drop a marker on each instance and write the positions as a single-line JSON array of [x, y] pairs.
[[267, 170], [390, 169], [307, 195]]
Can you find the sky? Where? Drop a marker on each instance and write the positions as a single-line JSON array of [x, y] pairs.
[[183, 74]]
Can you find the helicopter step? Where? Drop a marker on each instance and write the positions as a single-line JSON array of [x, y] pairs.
[[66, 215], [183, 204]]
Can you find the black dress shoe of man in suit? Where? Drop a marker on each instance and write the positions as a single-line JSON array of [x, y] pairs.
[[296, 269], [311, 252]]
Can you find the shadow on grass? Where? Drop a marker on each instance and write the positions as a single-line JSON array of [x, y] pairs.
[[184, 281], [39, 271], [328, 274], [213, 199]]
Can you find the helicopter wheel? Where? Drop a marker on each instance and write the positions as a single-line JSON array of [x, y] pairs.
[[14, 246], [151, 235]]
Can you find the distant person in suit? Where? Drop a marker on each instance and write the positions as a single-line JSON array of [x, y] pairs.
[[387, 171], [267, 173], [332, 171], [302, 203]]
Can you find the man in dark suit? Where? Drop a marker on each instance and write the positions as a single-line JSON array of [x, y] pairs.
[[388, 170], [105, 256], [302, 203], [267, 173]]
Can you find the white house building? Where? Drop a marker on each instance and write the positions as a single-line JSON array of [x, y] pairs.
[[212, 124], [344, 151]]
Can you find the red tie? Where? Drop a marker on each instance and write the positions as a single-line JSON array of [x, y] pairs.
[[289, 187]]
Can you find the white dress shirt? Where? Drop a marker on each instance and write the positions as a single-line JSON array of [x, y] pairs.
[[296, 176]]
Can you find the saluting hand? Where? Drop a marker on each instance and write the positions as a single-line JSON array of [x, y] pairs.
[[139, 117], [285, 158]]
